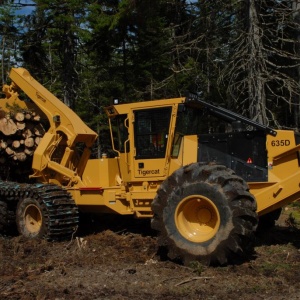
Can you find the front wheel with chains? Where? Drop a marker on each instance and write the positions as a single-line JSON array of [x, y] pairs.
[[47, 212], [40, 210]]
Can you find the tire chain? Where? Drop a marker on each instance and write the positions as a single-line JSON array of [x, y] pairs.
[[61, 212]]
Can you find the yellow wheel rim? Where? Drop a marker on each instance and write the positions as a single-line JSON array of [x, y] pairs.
[[197, 218], [33, 218]]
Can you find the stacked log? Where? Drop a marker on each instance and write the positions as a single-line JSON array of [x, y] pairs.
[[20, 134]]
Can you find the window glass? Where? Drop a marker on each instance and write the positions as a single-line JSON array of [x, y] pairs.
[[199, 121], [194, 121], [151, 132], [120, 133]]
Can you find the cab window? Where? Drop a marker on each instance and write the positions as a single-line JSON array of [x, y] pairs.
[[120, 133], [151, 132]]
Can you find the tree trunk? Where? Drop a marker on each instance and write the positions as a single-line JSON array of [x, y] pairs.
[[256, 89], [296, 16]]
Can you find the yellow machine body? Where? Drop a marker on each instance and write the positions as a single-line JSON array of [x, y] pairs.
[[127, 183]]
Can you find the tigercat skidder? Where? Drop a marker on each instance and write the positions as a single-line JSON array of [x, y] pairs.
[[203, 174]]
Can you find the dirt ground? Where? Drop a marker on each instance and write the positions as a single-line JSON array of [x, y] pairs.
[[118, 259]]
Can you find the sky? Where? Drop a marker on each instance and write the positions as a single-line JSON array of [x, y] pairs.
[[26, 9]]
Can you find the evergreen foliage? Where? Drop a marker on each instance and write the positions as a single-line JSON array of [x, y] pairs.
[[243, 55]]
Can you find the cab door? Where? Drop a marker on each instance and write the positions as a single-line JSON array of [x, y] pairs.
[[151, 135]]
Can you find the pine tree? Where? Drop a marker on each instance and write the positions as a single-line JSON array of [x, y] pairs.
[[8, 39], [51, 45]]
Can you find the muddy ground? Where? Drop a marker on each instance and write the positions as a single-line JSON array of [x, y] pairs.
[[118, 259]]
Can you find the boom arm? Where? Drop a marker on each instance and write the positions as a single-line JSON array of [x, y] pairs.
[[66, 130]]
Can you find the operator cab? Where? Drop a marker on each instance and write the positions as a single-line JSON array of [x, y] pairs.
[[148, 137]]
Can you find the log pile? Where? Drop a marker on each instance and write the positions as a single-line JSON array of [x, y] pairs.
[[20, 134]]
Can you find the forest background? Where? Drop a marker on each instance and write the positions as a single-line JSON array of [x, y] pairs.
[[241, 54]]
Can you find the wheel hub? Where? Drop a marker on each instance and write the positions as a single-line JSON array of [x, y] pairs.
[[204, 215], [33, 218], [197, 218]]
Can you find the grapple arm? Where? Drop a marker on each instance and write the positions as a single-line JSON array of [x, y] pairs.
[[65, 132]]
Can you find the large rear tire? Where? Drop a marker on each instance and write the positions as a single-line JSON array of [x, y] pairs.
[[205, 213]]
